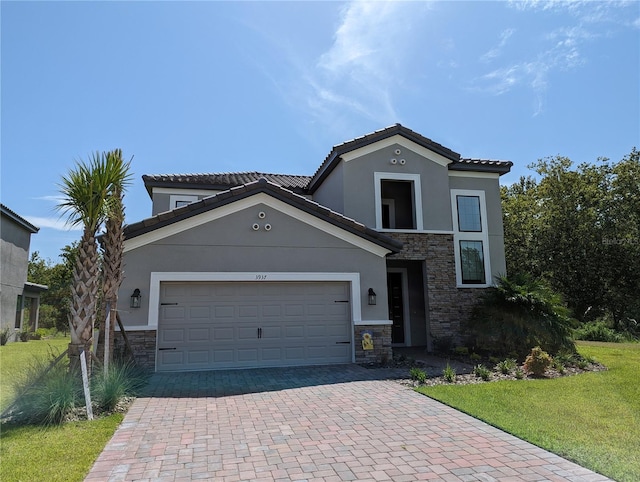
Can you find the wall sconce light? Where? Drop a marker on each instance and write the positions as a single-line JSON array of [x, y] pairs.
[[372, 296], [136, 299]]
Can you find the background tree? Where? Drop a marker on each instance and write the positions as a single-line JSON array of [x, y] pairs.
[[579, 228], [54, 303]]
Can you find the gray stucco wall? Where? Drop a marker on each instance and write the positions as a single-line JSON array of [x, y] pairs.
[[359, 200], [14, 258], [331, 192], [491, 188], [230, 244]]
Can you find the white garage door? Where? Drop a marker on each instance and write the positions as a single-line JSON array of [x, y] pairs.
[[212, 325]]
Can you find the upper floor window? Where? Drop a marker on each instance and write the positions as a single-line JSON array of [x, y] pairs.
[[398, 201], [471, 238], [469, 217], [177, 201]]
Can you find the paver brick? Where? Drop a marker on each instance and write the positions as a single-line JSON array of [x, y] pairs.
[[319, 423]]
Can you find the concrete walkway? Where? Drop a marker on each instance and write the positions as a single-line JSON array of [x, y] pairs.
[[321, 423]]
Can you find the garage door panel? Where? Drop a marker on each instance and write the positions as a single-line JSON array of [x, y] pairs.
[[202, 312], [221, 311], [271, 333], [216, 324], [198, 357], [198, 335], [173, 312], [249, 311], [247, 354], [172, 335], [271, 310], [294, 331]]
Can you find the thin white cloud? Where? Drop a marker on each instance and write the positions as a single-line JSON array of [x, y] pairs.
[[58, 224], [497, 51], [562, 49], [56, 198], [365, 64]]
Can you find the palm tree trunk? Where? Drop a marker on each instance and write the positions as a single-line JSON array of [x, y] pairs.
[[113, 248], [84, 293]]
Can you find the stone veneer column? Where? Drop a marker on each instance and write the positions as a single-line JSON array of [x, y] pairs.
[[448, 306], [143, 344], [382, 351]]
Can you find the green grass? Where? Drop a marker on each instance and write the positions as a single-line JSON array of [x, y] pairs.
[[15, 357], [592, 419], [53, 453]]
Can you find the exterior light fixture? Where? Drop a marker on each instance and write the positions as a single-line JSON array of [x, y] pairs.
[[136, 299], [372, 296]]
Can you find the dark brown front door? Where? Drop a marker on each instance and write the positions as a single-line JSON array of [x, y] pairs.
[[396, 306]]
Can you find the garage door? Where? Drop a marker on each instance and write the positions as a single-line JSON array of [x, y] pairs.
[[216, 325]]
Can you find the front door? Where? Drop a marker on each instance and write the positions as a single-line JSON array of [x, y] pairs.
[[396, 307]]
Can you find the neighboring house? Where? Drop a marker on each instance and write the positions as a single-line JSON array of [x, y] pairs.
[[251, 269], [20, 300]]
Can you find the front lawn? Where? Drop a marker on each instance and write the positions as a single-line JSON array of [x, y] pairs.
[[54, 453], [592, 419]]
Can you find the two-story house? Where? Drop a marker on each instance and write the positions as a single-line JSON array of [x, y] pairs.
[[19, 299], [387, 244]]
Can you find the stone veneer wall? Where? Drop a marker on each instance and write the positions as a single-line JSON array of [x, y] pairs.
[[449, 306], [381, 352], [143, 344]]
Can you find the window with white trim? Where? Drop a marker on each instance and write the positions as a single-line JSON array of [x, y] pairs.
[[471, 238], [177, 201], [398, 201]]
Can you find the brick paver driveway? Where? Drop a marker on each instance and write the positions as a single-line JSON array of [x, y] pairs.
[[322, 423]]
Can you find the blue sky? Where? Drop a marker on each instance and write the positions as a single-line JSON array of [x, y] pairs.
[[272, 86]]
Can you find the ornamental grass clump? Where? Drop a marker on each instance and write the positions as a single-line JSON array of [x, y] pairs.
[[120, 381], [482, 372], [46, 398], [537, 362], [418, 374], [505, 366], [449, 373]]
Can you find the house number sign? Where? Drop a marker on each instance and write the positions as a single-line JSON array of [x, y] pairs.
[[261, 277]]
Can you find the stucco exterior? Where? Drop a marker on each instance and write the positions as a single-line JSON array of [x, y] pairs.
[[382, 212], [15, 239]]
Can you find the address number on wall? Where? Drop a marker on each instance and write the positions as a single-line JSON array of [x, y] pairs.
[[261, 277]]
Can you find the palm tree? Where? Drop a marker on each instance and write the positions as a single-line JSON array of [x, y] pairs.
[[113, 246], [85, 191]]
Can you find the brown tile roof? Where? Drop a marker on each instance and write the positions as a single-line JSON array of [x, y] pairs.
[[333, 157], [308, 184], [501, 167], [261, 186], [223, 180]]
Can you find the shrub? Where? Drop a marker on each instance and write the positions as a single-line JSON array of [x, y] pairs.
[[518, 313], [537, 362], [598, 331], [5, 333], [505, 366], [519, 373], [121, 380], [482, 372], [475, 357], [25, 335], [443, 344], [449, 373], [461, 350], [417, 374]]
